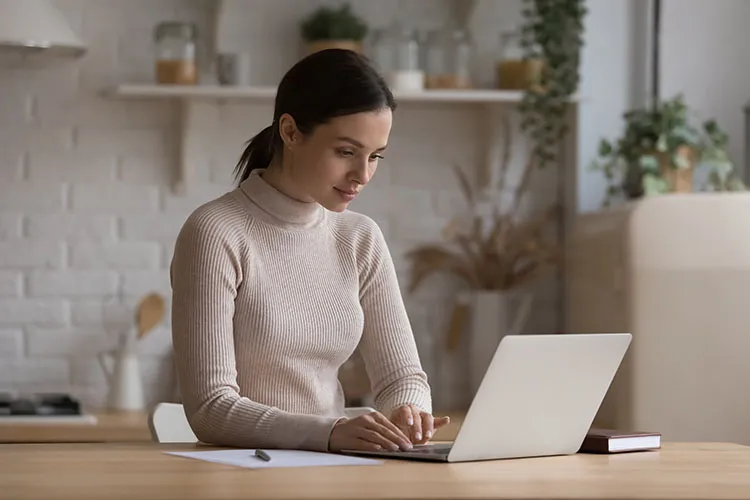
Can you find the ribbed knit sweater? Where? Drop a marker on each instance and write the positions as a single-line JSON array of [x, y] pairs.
[[270, 297]]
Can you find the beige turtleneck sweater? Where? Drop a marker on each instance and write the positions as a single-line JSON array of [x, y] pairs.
[[270, 297]]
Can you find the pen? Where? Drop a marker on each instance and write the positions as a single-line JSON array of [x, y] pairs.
[[262, 455]]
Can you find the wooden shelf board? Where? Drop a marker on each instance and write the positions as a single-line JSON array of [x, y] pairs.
[[268, 93]]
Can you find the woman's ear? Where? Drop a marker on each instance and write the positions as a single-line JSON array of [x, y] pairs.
[[288, 130]]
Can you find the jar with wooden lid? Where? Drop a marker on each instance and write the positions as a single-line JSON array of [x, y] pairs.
[[176, 60], [514, 70]]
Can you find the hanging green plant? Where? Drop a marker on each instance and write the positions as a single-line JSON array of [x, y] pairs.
[[552, 31]]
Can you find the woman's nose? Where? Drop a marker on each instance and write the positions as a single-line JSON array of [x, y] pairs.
[[362, 172]]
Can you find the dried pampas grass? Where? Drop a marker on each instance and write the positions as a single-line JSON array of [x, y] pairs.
[[513, 254], [496, 251]]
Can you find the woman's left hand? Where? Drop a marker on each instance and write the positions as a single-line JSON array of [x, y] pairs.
[[418, 425]]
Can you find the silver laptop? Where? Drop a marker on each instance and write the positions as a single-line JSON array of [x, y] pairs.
[[539, 397]]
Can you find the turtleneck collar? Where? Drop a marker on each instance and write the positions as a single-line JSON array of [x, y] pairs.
[[281, 208]]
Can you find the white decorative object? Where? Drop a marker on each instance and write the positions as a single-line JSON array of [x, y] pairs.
[[492, 318], [233, 68], [36, 26], [407, 80], [122, 370], [403, 70]]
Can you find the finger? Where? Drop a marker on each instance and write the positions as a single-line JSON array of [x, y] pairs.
[[375, 437], [403, 415], [362, 444], [386, 422], [427, 427], [439, 422], [417, 428], [403, 419], [399, 438], [383, 425]]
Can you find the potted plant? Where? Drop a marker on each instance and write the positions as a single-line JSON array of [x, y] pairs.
[[329, 27], [552, 33], [659, 151]]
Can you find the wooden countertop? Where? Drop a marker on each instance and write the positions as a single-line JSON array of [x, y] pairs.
[[140, 470], [126, 426]]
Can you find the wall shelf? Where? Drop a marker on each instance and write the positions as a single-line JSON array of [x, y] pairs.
[[218, 92], [198, 117]]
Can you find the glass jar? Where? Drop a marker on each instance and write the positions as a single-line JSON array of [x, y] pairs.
[[423, 38], [435, 59], [406, 74], [450, 60], [176, 61], [397, 54], [514, 72], [380, 50], [462, 59]]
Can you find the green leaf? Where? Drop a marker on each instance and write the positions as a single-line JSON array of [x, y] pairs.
[[553, 31], [661, 143], [327, 23], [654, 185], [605, 148], [649, 163], [680, 161], [711, 127], [722, 168]]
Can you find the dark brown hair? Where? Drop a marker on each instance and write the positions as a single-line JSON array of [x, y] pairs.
[[321, 86]]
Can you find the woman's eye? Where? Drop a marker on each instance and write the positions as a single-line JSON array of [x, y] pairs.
[[345, 152], [376, 157]]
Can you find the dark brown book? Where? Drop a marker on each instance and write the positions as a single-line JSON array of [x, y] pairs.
[[614, 441]]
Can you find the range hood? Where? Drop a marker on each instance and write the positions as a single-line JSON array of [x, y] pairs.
[[36, 26]]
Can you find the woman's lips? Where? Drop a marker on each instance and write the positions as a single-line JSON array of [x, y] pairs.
[[347, 195]]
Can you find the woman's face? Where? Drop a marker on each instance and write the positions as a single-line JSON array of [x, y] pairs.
[[335, 162]]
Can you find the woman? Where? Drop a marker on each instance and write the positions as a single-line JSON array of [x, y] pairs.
[[275, 283]]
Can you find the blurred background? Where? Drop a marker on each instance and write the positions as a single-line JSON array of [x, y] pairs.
[[517, 195]]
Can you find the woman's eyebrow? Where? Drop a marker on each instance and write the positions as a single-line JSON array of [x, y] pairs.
[[356, 143]]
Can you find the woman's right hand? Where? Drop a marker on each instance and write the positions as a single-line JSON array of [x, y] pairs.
[[368, 432]]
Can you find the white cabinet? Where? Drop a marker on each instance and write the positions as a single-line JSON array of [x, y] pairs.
[[675, 272]]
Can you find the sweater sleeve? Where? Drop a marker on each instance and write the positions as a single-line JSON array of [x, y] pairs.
[[388, 347], [205, 272]]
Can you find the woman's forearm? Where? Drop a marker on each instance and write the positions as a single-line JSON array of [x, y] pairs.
[[225, 418]]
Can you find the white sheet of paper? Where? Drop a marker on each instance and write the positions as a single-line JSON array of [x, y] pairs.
[[279, 458]]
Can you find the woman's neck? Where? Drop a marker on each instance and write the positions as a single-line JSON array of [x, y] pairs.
[[281, 207], [275, 175]]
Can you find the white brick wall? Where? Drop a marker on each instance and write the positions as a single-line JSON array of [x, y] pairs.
[[88, 219]]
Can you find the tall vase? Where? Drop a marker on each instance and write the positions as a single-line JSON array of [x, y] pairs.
[[492, 318]]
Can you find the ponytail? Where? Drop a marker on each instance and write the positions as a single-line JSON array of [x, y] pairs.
[[257, 154]]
